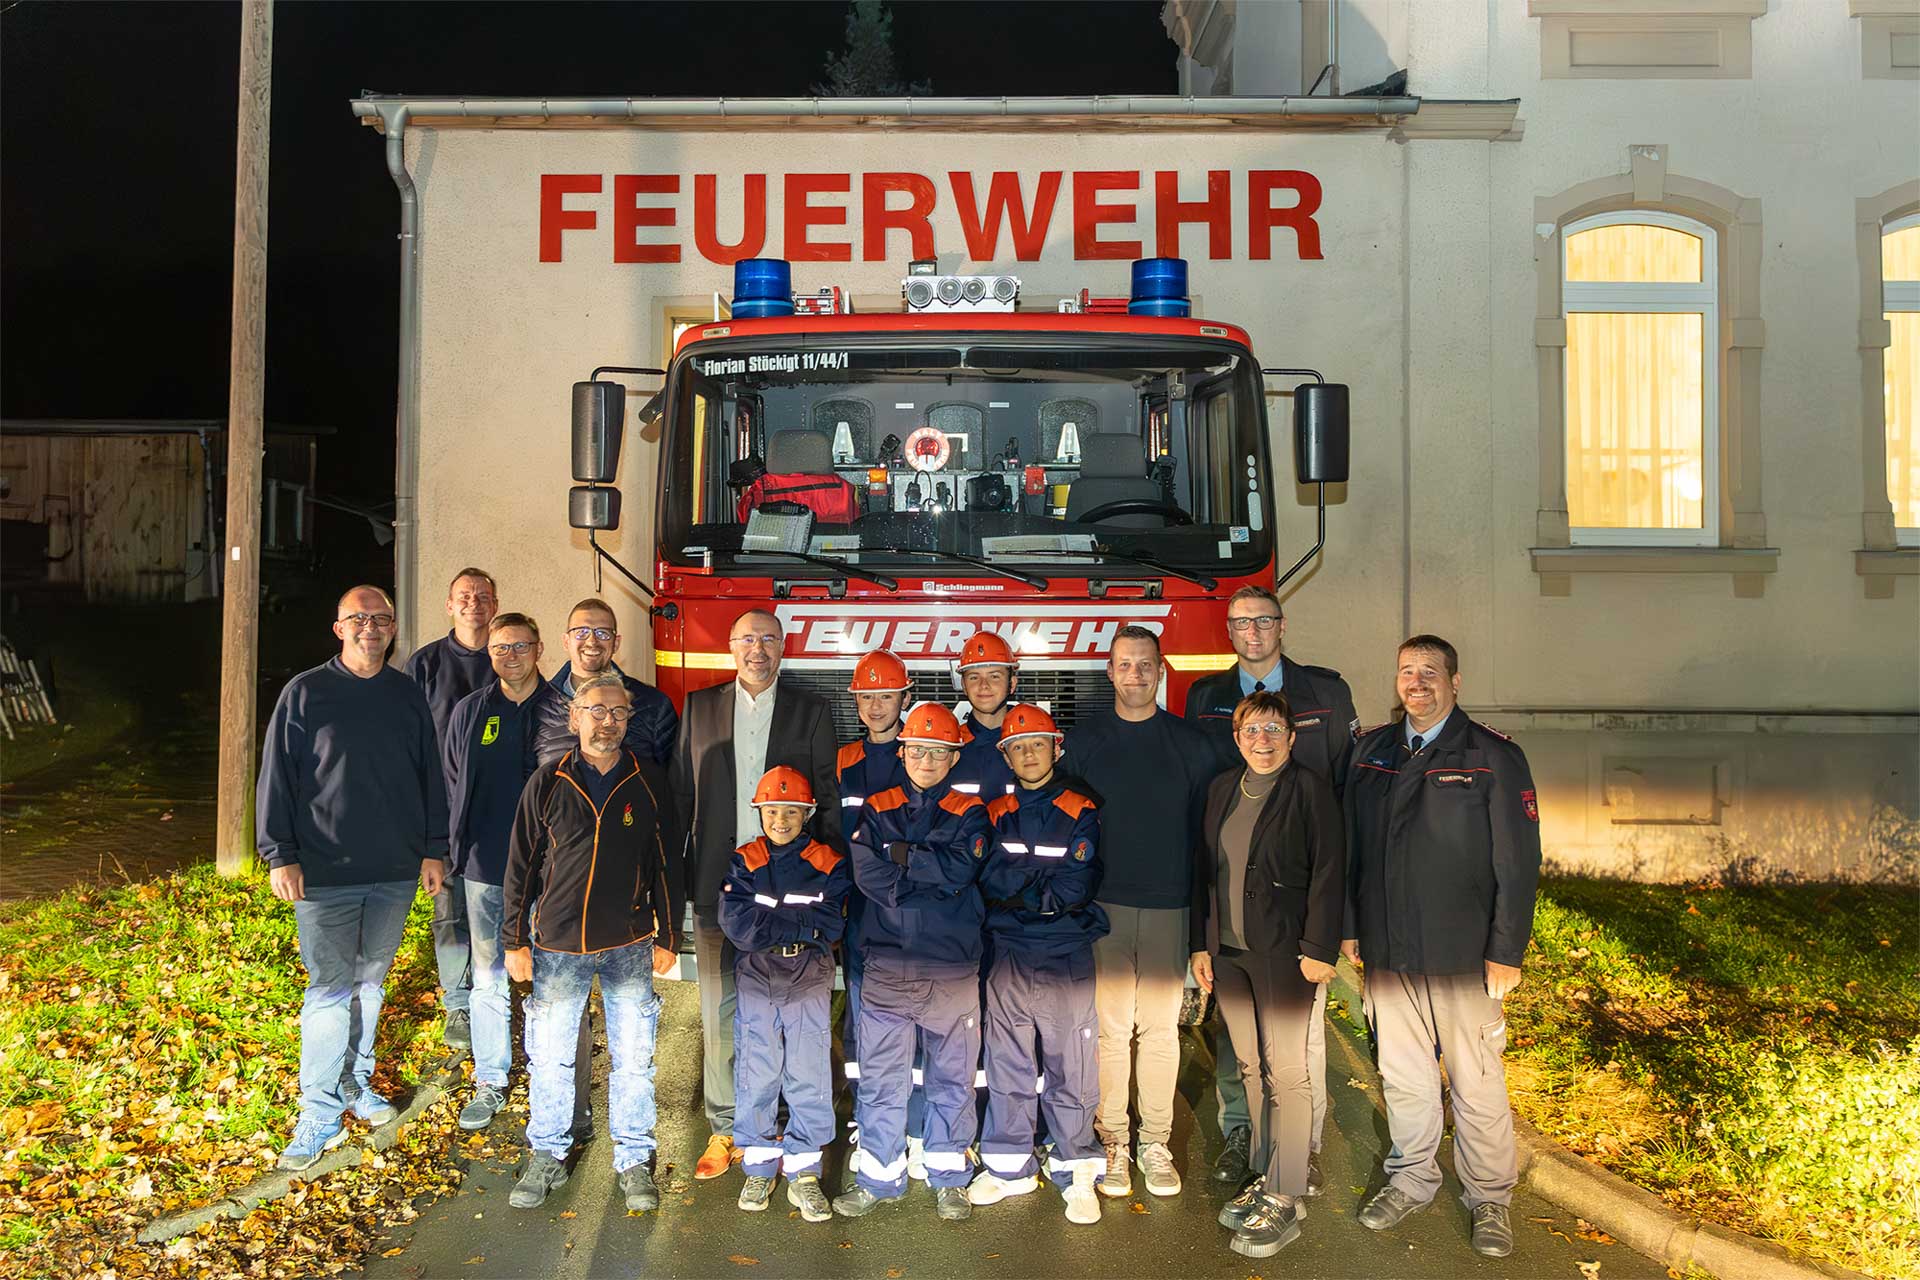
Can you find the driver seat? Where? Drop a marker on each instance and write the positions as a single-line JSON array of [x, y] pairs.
[[1113, 468]]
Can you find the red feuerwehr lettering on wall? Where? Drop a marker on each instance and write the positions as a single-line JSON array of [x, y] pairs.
[[1104, 205]]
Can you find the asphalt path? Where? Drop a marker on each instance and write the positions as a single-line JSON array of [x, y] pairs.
[[583, 1229]]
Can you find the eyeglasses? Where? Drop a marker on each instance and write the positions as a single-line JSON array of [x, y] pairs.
[[584, 634], [365, 621], [465, 598], [764, 641], [517, 648], [601, 714], [1266, 622], [935, 754], [1251, 731]]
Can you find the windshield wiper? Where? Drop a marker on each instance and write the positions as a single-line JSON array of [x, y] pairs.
[[1033, 580], [1200, 580], [838, 566]]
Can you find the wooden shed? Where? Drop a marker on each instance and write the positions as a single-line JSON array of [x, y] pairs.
[[123, 508]]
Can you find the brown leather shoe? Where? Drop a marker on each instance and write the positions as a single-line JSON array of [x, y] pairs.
[[719, 1156]]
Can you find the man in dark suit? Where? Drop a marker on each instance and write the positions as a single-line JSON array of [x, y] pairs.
[[730, 735]]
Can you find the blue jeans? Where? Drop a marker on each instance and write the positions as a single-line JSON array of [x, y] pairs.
[[348, 936], [560, 986], [450, 946], [492, 1005]]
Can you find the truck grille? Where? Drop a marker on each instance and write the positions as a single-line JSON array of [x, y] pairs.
[[1068, 694]]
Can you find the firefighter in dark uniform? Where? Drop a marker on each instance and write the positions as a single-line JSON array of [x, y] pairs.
[[1443, 858], [917, 852], [1042, 1048], [1324, 726], [783, 906], [987, 673]]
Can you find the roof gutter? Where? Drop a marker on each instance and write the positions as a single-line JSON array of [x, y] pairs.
[[373, 106]]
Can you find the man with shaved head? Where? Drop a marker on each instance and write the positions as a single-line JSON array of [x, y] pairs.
[[732, 734], [350, 813]]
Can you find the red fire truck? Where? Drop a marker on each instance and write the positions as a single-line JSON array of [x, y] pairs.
[[901, 480]]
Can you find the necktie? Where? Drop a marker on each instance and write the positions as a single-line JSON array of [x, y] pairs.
[[1414, 746], [1259, 686]]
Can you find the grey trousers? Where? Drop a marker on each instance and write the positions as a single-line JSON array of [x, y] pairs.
[[713, 956], [1139, 976], [1268, 1006], [1416, 1018], [1226, 1070]]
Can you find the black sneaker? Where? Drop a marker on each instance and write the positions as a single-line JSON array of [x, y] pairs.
[[1492, 1231], [856, 1202], [1271, 1227], [1232, 1166], [458, 1033], [951, 1204], [805, 1194], [543, 1174], [755, 1192], [1388, 1208], [636, 1183], [1234, 1212]]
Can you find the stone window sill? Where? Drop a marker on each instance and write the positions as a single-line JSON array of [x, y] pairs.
[[1748, 567], [1879, 568]]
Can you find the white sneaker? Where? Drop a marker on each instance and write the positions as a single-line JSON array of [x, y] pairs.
[[990, 1188], [1157, 1171], [1083, 1206], [917, 1159]]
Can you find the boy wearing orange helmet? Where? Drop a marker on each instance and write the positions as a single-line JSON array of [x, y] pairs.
[[916, 851], [988, 675], [1038, 880], [783, 906]]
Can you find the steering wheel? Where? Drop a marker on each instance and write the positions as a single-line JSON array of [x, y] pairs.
[[1135, 507]]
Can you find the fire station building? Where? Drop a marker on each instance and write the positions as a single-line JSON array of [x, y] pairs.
[[1627, 293]]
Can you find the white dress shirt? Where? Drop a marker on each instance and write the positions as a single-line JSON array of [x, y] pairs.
[[752, 724]]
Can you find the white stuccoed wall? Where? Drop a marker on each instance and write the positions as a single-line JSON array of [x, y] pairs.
[[1424, 303]]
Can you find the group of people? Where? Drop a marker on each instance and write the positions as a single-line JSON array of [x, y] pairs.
[[1016, 910]]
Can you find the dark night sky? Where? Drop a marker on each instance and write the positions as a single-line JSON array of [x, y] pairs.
[[116, 168]]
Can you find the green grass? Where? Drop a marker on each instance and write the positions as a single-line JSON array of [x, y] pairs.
[[1750, 1053], [149, 1049]]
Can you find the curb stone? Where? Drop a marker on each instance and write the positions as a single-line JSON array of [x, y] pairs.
[[276, 1183], [1634, 1216]]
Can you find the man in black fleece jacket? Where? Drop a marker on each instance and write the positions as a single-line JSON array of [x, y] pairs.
[[351, 809]]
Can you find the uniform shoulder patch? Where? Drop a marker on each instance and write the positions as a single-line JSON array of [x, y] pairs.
[[979, 847], [1487, 728], [850, 755], [1072, 803], [1000, 806], [822, 856], [958, 801], [1530, 801], [754, 853], [891, 798]]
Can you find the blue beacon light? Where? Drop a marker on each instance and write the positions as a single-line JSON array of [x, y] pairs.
[[1160, 288], [762, 287]]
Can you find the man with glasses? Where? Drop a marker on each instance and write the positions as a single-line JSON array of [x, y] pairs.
[[447, 670], [589, 895], [350, 812], [1149, 771], [592, 640], [732, 734], [1324, 726], [489, 754]]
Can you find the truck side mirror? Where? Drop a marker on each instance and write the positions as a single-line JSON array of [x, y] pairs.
[[598, 409], [1320, 433], [591, 507]]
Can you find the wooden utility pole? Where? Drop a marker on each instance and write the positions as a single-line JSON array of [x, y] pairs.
[[246, 438]]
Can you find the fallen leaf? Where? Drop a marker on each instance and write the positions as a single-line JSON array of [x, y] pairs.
[[568, 1213], [1591, 1270], [1134, 1206], [1587, 1231], [742, 1260], [1542, 1219], [476, 1259], [894, 1273], [394, 1252], [1355, 1084], [140, 1188]]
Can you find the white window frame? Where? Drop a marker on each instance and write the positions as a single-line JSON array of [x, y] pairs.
[[1702, 299], [1901, 295]]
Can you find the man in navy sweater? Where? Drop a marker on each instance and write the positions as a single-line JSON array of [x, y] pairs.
[[447, 670], [592, 639], [489, 754], [351, 810]]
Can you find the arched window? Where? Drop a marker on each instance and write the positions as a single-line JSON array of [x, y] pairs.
[[1640, 290], [1900, 296]]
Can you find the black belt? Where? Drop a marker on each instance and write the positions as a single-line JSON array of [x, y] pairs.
[[791, 949]]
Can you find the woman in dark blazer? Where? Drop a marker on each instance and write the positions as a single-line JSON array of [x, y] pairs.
[[1269, 878]]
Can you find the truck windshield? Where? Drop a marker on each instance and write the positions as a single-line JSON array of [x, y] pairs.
[[1021, 450]]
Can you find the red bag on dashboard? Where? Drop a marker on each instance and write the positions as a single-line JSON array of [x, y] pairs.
[[830, 498]]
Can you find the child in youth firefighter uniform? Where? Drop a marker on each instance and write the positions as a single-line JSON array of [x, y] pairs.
[[917, 850], [987, 674], [1038, 881], [783, 906]]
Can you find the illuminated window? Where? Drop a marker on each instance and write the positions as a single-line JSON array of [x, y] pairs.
[[675, 322], [1900, 295], [1642, 418]]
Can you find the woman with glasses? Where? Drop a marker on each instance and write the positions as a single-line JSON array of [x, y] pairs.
[[1268, 901]]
